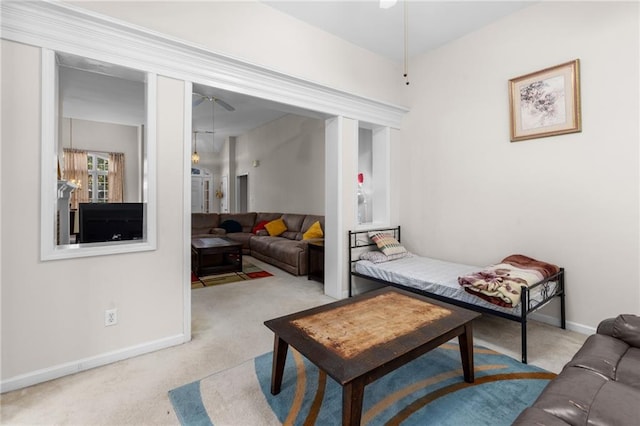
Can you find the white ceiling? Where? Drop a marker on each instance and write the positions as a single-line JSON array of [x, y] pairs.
[[430, 23], [362, 22], [249, 114]]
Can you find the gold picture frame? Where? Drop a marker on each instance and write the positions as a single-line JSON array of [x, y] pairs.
[[546, 102]]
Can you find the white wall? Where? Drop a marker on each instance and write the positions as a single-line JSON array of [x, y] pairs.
[[290, 177], [109, 137], [53, 312], [469, 195]]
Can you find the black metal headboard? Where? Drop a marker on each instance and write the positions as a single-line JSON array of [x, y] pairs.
[[360, 239]]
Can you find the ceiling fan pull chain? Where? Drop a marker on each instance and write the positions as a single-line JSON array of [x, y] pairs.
[[406, 42]]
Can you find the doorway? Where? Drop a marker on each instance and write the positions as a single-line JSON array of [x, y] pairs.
[[242, 193]]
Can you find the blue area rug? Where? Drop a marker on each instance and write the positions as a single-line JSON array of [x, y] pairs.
[[429, 390]]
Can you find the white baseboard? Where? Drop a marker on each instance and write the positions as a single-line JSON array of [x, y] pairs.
[[46, 374], [573, 326]]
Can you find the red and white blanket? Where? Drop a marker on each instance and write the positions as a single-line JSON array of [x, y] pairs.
[[502, 284]]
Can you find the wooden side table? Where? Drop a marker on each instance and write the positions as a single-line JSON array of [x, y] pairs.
[[315, 261]]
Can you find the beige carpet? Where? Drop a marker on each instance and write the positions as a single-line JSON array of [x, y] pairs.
[[134, 391]]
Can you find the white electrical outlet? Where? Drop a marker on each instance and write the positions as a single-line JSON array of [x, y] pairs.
[[110, 317]]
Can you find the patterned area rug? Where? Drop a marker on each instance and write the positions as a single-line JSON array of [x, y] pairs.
[[249, 272], [429, 390]]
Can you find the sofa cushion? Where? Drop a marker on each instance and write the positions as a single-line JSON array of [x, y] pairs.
[[600, 385], [260, 216], [286, 250], [570, 395], [628, 371], [580, 397], [294, 225], [247, 220], [536, 416], [218, 232], [241, 237], [260, 243], [627, 329], [600, 354], [281, 249], [607, 403], [203, 223], [276, 227], [615, 404]]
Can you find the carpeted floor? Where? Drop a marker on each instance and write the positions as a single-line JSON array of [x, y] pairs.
[[428, 390], [249, 272], [227, 330]]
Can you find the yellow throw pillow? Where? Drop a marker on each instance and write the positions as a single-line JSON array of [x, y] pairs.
[[276, 227], [314, 231]]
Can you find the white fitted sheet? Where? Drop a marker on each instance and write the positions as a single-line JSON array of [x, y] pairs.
[[441, 277]]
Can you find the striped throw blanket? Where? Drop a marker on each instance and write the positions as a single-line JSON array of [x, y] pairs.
[[502, 284]]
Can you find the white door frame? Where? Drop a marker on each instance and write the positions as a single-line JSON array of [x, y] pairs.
[[240, 194]]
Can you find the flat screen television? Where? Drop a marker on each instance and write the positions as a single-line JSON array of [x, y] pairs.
[[100, 222]]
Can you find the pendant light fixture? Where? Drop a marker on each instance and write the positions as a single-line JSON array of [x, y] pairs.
[[195, 157], [197, 100], [387, 4], [406, 42]]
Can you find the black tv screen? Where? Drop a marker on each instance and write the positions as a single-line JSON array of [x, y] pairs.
[[100, 222]]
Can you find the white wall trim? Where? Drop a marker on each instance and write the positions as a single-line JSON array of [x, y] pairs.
[[572, 326], [186, 212], [46, 374], [71, 29], [49, 157]]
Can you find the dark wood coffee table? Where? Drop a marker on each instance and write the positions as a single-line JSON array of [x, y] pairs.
[[358, 340], [215, 255]]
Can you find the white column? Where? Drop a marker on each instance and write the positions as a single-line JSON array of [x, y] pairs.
[[341, 160]]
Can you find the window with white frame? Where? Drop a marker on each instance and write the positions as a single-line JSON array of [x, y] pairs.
[[373, 175], [98, 169]]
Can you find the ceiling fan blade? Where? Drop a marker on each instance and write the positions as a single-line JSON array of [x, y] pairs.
[[198, 98], [224, 104]]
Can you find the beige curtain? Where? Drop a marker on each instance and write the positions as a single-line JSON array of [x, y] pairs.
[[116, 177], [75, 168]]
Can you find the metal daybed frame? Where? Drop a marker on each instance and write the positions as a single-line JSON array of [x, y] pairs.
[[356, 243]]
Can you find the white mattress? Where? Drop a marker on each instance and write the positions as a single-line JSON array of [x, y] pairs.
[[440, 277]]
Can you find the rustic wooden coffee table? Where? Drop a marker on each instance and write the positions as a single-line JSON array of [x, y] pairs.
[[358, 340], [215, 255]]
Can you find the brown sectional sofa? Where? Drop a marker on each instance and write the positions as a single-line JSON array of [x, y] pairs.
[[599, 386], [287, 251]]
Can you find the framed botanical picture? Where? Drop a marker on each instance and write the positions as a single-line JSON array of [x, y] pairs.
[[546, 103]]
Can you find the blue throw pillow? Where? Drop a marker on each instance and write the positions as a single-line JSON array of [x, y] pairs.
[[231, 226]]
